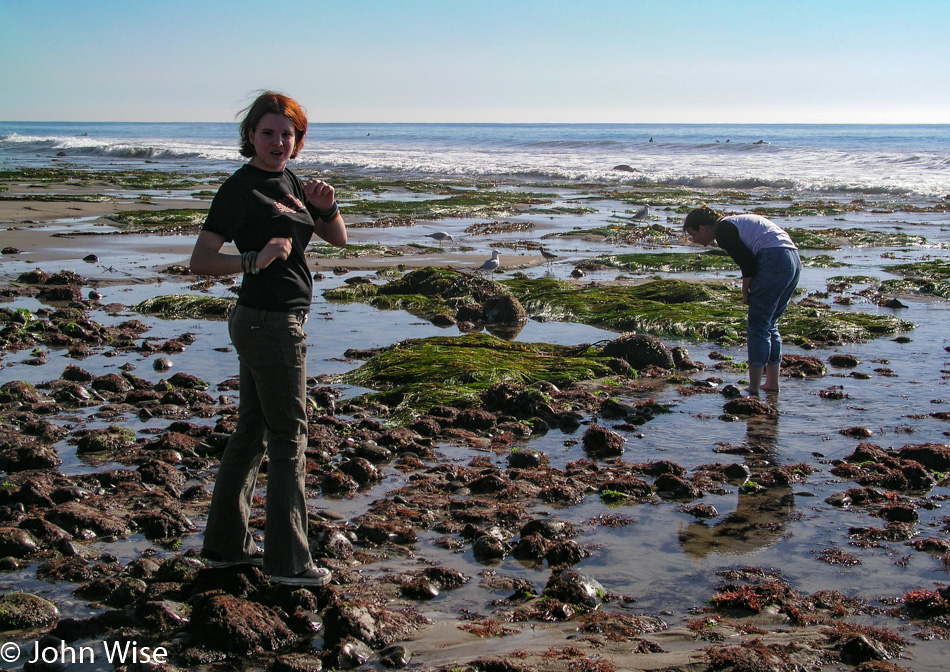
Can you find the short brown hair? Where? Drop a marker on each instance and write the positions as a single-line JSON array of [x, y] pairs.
[[701, 215], [271, 102]]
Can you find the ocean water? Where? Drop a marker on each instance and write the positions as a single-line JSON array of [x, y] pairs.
[[905, 160]]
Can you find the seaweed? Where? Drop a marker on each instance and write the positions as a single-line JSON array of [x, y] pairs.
[[667, 307], [186, 305], [168, 222], [460, 204], [418, 374]]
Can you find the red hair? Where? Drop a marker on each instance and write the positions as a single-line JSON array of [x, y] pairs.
[[271, 102]]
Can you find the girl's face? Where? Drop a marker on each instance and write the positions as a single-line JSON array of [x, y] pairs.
[[273, 139], [703, 235]]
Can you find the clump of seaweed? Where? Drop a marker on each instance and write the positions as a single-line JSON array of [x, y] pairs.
[[418, 374], [924, 277], [186, 305], [461, 203], [167, 222], [667, 307]]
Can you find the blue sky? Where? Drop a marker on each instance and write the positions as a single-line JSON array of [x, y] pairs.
[[633, 61]]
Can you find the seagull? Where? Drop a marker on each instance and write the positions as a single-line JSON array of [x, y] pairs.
[[440, 236], [548, 256], [642, 213], [490, 264]]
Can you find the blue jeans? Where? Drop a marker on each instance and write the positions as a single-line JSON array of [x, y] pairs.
[[272, 416], [776, 278]]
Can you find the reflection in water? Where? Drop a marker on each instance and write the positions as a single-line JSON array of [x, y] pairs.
[[760, 516], [507, 331]]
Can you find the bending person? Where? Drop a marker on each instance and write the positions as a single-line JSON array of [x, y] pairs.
[[770, 267]]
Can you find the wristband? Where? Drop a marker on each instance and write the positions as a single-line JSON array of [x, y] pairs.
[[330, 214], [249, 263]]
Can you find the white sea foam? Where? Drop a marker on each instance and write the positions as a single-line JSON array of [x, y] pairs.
[[824, 159]]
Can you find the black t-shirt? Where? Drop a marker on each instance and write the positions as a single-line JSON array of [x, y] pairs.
[[250, 208]]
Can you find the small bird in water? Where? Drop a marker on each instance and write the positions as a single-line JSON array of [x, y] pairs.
[[440, 236], [548, 256], [490, 264], [642, 213]]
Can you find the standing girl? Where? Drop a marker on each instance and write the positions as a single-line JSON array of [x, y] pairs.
[[770, 270], [270, 215]]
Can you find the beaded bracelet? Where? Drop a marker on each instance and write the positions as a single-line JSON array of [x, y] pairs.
[[249, 263]]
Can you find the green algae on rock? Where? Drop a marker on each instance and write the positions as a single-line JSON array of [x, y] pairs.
[[923, 277], [460, 204], [186, 305], [427, 291], [836, 238], [170, 222], [677, 308], [126, 179], [667, 307], [454, 371]]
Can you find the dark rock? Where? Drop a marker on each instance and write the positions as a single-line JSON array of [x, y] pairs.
[[856, 432], [933, 456], [20, 611], [573, 588], [749, 406], [563, 553], [297, 662], [553, 530], [601, 442], [844, 361], [674, 487], [112, 382], [335, 481], [371, 623], [488, 548], [78, 518], [682, 362], [736, 472], [504, 309], [17, 542], [531, 547], [858, 648], [703, 511], [348, 654], [163, 474], [395, 657], [799, 366], [526, 459], [334, 544], [475, 419], [640, 351], [237, 627], [361, 470], [23, 453], [164, 523]]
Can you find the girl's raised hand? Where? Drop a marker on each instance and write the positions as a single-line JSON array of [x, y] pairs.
[[319, 194]]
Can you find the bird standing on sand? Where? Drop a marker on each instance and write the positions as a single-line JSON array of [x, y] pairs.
[[440, 236], [490, 264], [548, 256]]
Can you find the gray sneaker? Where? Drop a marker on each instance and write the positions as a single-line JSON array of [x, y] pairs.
[[315, 576]]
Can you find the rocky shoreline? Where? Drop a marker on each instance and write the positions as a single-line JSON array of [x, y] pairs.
[[504, 501]]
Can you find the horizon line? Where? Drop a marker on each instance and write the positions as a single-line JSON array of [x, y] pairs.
[[504, 123]]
